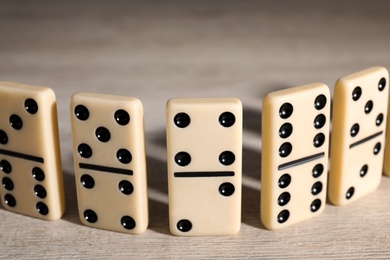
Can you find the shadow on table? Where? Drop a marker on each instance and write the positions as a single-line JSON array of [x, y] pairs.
[[158, 195], [251, 170], [252, 120], [71, 206], [251, 188]]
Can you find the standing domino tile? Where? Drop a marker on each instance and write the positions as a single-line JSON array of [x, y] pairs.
[[358, 134], [30, 160], [110, 164], [204, 145], [295, 132]]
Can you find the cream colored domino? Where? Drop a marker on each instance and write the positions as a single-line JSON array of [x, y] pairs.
[[295, 143], [358, 134], [110, 164], [30, 160], [204, 145]]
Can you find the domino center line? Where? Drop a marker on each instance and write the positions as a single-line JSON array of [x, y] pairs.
[[365, 139], [203, 174], [300, 161], [100, 168], [22, 156]]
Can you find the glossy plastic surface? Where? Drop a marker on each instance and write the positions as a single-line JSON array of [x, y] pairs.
[[30, 158], [110, 164], [295, 134], [358, 134], [204, 142]]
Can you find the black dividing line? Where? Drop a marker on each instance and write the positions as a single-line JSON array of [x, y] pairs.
[[22, 156], [300, 161], [202, 174], [105, 169], [365, 139]]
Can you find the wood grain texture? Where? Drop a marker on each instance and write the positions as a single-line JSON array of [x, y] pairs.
[[156, 50]]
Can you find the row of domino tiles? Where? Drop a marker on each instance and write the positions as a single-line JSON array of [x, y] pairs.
[[204, 147]]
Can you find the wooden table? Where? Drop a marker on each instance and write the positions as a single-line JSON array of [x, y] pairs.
[[156, 50]]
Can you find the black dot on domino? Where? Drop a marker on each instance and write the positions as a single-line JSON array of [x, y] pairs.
[[319, 121], [182, 120], [319, 140], [284, 199], [183, 158], [122, 117], [5, 166], [382, 84], [320, 102], [81, 112], [284, 181], [42, 208], [227, 119], [286, 110], [8, 184], [315, 205], [16, 122], [285, 130], [350, 193], [126, 187], [316, 188], [226, 189], [38, 174], [184, 225], [40, 191], [90, 216], [377, 148], [10, 200], [283, 216], [317, 170], [379, 119], [227, 158], [128, 222], [356, 93], [124, 156], [103, 134], [354, 130], [87, 181], [31, 106], [84, 150], [368, 107], [364, 170], [3, 137], [285, 150]]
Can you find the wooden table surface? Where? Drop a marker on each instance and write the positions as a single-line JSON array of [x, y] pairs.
[[156, 50]]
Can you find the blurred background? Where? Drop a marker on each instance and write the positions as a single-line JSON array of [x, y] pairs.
[[156, 50]]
